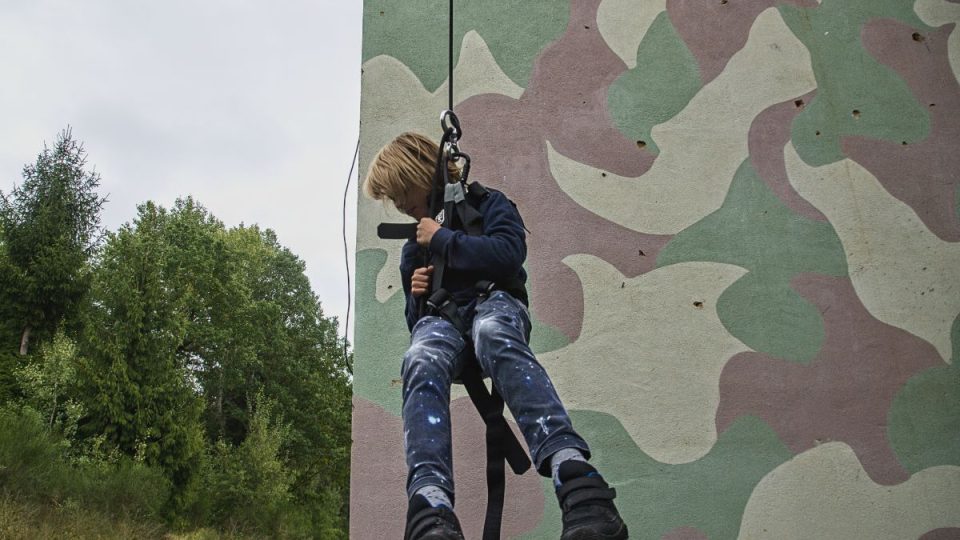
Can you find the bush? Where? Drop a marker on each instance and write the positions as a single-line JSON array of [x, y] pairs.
[[28, 453], [32, 467], [9, 362], [246, 488]]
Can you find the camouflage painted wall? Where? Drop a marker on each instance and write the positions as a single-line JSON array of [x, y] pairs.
[[744, 255]]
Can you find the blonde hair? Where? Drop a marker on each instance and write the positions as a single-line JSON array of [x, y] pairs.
[[406, 162]]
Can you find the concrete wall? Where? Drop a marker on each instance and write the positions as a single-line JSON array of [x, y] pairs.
[[744, 253]]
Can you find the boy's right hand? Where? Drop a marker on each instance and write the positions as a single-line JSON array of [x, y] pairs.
[[420, 282]]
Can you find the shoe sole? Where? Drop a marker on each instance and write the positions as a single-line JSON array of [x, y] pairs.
[[442, 534], [586, 534]]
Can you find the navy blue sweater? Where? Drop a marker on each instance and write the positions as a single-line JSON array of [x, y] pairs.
[[498, 254]]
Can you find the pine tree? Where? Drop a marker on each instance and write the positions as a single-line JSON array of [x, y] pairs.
[[50, 226]]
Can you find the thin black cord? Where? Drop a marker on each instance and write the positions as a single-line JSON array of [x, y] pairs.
[[346, 255], [450, 57]]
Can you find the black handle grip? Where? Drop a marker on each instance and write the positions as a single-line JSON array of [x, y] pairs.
[[397, 231]]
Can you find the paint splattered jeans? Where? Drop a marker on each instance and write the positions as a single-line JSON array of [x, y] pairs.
[[498, 334]]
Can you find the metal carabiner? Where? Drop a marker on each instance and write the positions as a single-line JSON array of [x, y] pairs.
[[465, 170], [451, 150], [454, 125]]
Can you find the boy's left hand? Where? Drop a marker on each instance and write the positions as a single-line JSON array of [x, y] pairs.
[[425, 230]]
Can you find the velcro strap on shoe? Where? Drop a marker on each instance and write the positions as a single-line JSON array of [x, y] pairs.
[[583, 495], [423, 521], [578, 490]]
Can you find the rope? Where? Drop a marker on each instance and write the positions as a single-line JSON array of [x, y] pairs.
[[450, 58], [346, 256]]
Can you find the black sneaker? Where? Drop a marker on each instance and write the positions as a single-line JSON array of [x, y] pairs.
[[587, 504], [425, 522]]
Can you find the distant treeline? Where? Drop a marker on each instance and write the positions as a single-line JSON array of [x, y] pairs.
[[174, 371]]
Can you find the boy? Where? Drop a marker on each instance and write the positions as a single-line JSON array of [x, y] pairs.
[[498, 329]]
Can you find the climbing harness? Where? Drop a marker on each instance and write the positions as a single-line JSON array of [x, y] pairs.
[[454, 204]]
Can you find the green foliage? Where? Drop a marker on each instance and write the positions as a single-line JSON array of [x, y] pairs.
[[10, 278], [248, 486], [27, 450], [33, 468], [188, 321], [192, 376], [9, 390], [48, 380], [254, 326], [136, 389], [50, 227], [27, 520]]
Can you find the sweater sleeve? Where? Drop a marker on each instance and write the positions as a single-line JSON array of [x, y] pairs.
[[498, 253]]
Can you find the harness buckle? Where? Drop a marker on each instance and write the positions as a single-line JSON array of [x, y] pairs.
[[444, 306], [439, 300], [484, 288]]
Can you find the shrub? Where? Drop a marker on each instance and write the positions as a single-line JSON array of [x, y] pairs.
[[32, 467], [246, 488]]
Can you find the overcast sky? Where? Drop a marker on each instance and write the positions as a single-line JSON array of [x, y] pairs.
[[252, 107]]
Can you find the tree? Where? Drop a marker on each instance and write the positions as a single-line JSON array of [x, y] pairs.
[[248, 485], [194, 320], [138, 392], [9, 361], [50, 226], [255, 326], [300, 365], [206, 272], [48, 380]]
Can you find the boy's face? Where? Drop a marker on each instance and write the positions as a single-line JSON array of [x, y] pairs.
[[417, 204]]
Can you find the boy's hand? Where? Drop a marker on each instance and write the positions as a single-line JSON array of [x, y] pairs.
[[420, 282], [425, 230]]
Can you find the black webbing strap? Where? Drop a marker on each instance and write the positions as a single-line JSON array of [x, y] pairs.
[[439, 259], [501, 442], [470, 219], [440, 177], [444, 306], [502, 445]]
